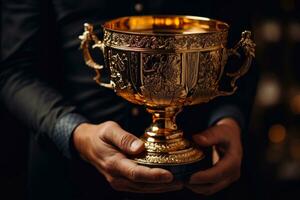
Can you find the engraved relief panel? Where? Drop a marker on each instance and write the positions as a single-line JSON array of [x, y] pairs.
[[210, 68], [134, 70], [118, 65], [161, 79]]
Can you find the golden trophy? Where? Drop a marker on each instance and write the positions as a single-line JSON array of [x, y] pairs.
[[165, 63]]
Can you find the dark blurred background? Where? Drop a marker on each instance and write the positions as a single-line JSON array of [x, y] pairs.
[[272, 152]]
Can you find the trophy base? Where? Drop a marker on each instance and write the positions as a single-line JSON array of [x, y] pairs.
[[180, 170], [167, 148]]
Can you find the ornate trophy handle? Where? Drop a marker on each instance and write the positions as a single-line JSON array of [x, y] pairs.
[[248, 47], [86, 38]]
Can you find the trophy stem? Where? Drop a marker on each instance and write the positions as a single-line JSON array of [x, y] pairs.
[[163, 122], [164, 142]]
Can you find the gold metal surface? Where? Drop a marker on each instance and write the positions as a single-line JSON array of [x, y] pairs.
[[165, 63]]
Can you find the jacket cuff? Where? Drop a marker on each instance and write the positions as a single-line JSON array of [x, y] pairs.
[[63, 131], [227, 111]]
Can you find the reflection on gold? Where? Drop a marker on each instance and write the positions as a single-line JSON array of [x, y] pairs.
[[295, 104], [166, 24], [277, 133], [154, 128]]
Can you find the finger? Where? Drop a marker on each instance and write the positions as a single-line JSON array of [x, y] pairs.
[[125, 141], [122, 184], [129, 169], [233, 124], [211, 136], [208, 189], [229, 166]]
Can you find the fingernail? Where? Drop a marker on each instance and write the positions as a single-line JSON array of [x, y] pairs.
[[135, 145]]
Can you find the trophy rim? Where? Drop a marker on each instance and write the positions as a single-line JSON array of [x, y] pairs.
[[107, 24]]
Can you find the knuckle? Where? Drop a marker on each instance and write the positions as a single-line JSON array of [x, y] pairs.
[[110, 165], [133, 175], [108, 125]]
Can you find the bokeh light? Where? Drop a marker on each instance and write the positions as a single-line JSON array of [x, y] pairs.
[[269, 91], [277, 133]]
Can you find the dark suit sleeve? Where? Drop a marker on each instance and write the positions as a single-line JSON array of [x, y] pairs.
[[33, 101], [239, 105]]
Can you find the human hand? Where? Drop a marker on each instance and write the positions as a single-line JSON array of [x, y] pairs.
[[225, 135], [106, 145]]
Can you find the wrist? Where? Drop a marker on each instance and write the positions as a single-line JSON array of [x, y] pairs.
[[80, 135]]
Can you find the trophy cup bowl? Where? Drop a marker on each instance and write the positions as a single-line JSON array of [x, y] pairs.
[[165, 63]]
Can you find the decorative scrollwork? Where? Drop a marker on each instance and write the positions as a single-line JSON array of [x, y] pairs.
[[158, 42], [187, 156], [209, 69], [118, 62], [166, 147], [161, 77]]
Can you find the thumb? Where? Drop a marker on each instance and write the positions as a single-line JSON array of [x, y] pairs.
[[211, 136], [125, 141]]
